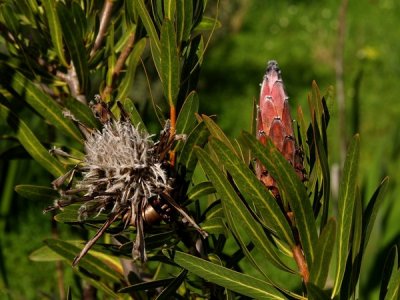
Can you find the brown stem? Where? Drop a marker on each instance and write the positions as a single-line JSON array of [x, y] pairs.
[[71, 78], [301, 262], [119, 65], [104, 21], [172, 132]]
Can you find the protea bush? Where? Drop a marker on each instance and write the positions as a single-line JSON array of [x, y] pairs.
[[173, 208]]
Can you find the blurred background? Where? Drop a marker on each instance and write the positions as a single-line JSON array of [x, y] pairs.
[[350, 48]]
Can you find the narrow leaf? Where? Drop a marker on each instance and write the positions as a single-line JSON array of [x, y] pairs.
[[44, 105], [372, 210], [239, 210], [81, 112], [74, 42], [55, 29], [186, 120], [201, 189], [150, 285], [89, 262], [323, 254], [184, 16], [135, 117], [254, 192], [36, 192], [316, 293], [388, 271], [151, 31], [346, 203], [393, 292], [31, 143], [292, 189], [170, 70], [172, 287], [217, 132], [198, 137], [133, 61], [45, 254], [235, 281]]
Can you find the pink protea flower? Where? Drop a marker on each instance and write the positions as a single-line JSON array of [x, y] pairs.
[[274, 121]]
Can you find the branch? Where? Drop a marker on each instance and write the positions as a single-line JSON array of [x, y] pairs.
[[72, 80], [119, 65], [104, 21]]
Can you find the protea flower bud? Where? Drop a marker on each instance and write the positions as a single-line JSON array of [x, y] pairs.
[[124, 174], [274, 121]]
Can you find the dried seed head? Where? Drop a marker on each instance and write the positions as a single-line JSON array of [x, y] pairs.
[[120, 168], [124, 174]]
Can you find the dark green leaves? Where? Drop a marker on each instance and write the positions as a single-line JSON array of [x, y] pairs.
[[170, 69], [74, 42], [323, 254], [37, 193], [44, 105], [238, 210], [254, 192], [55, 29], [31, 143], [347, 197], [291, 188], [237, 282]]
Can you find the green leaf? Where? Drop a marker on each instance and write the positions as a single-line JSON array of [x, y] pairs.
[[200, 190], [217, 132], [150, 285], [55, 29], [207, 24], [292, 189], [170, 69], [74, 42], [31, 143], [44, 105], [81, 112], [155, 44], [357, 227], [135, 117], [323, 254], [36, 192], [214, 226], [134, 58], [254, 192], [169, 9], [232, 280], [172, 287], [198, 137], [90, 263], [389, 269], [372, 210], [239, 210], [184, 16], [316, 293], [186, 120], [393, 292], [45, 254], [346, 203]]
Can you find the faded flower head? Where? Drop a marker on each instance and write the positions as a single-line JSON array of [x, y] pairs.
[[123, 174], [121, 169]]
